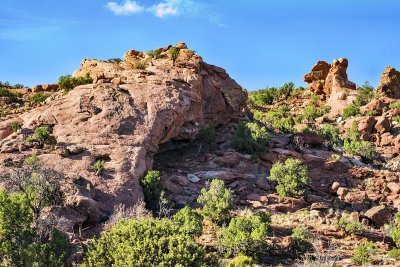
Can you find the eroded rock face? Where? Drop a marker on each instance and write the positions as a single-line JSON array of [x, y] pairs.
[[124, 123], [331, 82], [390, 83]]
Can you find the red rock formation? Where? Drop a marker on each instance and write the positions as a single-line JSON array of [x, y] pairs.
[[390, 83]]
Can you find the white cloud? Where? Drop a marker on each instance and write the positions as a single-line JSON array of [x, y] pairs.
[[127, 8], [167, 8]]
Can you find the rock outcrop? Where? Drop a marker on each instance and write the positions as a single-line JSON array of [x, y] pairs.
[[331, 82], [123, 118], [389, 84]]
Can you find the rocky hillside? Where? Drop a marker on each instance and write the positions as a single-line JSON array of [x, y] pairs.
[[310, 176]]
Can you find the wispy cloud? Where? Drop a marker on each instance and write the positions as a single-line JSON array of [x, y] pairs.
[[127, 8], [168, 8]]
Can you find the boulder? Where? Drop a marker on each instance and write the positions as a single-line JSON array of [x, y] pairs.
[[389, 84], [379, 215], [394, 187], [382, 125]]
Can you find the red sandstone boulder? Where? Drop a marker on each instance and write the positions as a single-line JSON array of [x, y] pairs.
[[390, 83]]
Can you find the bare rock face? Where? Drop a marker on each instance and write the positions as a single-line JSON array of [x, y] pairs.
[[331, 82], [390, 83], [124, 123]]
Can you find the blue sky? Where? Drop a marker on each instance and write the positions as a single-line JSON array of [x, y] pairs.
[[259, 42]]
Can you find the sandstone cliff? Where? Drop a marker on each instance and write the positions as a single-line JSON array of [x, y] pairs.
[[133, 107]]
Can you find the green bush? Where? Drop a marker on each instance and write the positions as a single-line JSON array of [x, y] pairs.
[[20, 244], [115, 60], [263, 97], [206, 136], [291, 178], [363, 254], [349, 226], [139, 65], [4, 92], [331, 134], [394, 253], [395, 105], [42, 136], [38, 98], [311, 112], [301, 240], [15, 126], [145, 243], [173, 53], [98, 166], [245, 235], [67, 82], [240, 261], [4, 112], [364, 149], [397, 118], [216, 201], [351, 110], [394, 230], [189, 220], [152, 189], [280, 119], [250, 138]]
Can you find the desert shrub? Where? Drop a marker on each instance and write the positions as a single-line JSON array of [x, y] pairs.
[[354, 146], [250, 138], [98, 166], [240, 261], [216, 201], [280, 119], [364, 149], [115, 60], [291, 177], [331, 134], [351, 110], [173, 53], [396, 118], [206, 136], [38, 98], [4, 92], [394, 253], [301, 240], [148, 242], [152, 189], [350, 226], [395, 105], [363, 253], [189, 220], [67, 82], [394, 230], [139, 65], [365, 95], [263, 97], [15, 126], [285, 90], [121, 212], [21, 242], [42, 136], [4, 112], [245, 235]]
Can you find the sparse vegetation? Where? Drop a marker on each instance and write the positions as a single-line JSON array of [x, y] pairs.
[[42, 136], [67, 82], [206, 137], [250, 138], [148, 242], [190, 221], [38, 98], [98, 166], [365, 94], [216, 201], [173, 53], [240, 261], [279, 119], [15, 126], [395, 105], [331, 134], [354, 146], [139, 65], [363, 253], [350, 226], [115, 60], [291, 178], [152, 188], [301, 240], [245, 235]]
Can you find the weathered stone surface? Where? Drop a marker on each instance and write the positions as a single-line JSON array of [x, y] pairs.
[[389, 84], [125, 124], [332, 83], [380, 215], [382, 125]]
